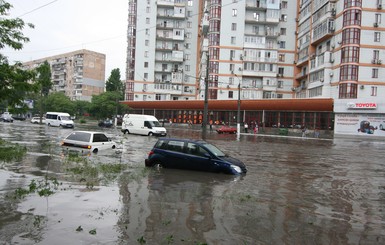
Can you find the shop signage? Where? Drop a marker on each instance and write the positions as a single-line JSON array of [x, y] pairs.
[[361, 105]]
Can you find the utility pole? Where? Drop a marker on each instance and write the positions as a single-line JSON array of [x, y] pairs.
[[206, 102]]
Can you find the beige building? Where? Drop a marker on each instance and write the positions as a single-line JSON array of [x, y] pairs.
[[78, 74]]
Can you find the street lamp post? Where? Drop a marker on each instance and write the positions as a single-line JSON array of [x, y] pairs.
[[239, 108]]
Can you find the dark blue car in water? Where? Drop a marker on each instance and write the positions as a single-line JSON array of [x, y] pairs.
[[193, 155]]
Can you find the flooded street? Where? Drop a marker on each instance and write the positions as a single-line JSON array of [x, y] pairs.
[[296, 191]]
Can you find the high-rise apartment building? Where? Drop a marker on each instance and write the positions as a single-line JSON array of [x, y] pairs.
[[78, 74], [257, 49]]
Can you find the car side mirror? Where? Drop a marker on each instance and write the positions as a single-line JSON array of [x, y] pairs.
[[207, 155]]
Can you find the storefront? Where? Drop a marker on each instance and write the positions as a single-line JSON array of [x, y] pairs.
[[359, 117]]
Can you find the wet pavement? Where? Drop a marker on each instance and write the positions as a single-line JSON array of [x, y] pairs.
[[296, 191]]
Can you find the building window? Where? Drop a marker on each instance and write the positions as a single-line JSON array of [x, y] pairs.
[[146, 64], [230, 94], [189, 13], [378, 18], [232, 67], [347, 91], [189, 24], [283, 31], [145, 53], [349, 73], [187, 68], [190, 3], [157, 97], [352, 3], [281, 58], [147, 31], [145, 76], [187, 56], [147, 20], [284, 17], [352, 17], [282, 44], [350, 54], [377, 36], [375, 73], [281, 71], [280, 84], [283, 5], [146, 42], [148, 9], [233, 26], [351, 36], [373, 91], [232, 54], [231, 80], [233, 40], [376, 54], [256, 16], [234, 12]]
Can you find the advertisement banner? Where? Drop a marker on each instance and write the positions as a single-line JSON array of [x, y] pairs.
[[360, 124]]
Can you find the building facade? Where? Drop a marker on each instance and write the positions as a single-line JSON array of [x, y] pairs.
[[79, 74], [260, 49]]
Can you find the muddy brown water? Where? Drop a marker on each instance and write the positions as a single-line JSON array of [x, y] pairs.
[[296, 191]]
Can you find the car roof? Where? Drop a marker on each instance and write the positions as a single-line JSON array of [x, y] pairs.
[[83, 131], [184, 140]]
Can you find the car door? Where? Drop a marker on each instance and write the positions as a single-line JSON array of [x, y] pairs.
[[100, 141], [174, 155], [198, 158]]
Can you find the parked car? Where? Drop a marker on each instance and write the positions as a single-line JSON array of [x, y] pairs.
[[106, 123], [226, 130], [87, 141], [36, 120], [192, 155], [6, 117]]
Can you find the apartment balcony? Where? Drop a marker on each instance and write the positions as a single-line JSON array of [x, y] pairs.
[[247, 73], [254, 5], [165, 3], [261, 20], [167, 89], [260, 59], [172, 15], [323, 31], [176, 56], [321, 61], [163, 26]]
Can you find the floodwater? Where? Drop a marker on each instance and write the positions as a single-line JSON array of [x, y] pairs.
[[296, 191]]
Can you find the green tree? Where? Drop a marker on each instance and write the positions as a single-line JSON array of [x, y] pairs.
[[104, 105], [59, 102], [44, 84], [13, 79], [82, 107], [114, 84]]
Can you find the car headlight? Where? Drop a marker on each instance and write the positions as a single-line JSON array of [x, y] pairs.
[[236, 168]]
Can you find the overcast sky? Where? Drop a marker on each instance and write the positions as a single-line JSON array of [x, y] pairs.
[[63, 26]]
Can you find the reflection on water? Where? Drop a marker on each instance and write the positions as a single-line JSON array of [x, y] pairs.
[[296, 191]]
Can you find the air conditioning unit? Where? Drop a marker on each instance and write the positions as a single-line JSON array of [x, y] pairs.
[[379, 6], [375, 24], [241, 57], [321, 80], [333, 12], [379, 62], [362, 87], [332, 61], [374, 61]]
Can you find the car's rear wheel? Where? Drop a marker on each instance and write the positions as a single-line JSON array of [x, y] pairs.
[[95, 150], [113, 147], [150, 134]]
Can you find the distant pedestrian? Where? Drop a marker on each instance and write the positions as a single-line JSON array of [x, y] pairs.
[[316, 133], [304, 131], [256, 129], [246, 127]]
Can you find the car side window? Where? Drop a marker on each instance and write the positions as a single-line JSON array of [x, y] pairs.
[[196, 150], [100, 138], [175, 146]]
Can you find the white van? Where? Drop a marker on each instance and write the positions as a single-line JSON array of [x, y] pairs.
[[59, 119], [142, 124]]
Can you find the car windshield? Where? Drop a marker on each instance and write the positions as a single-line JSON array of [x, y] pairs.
[[79, 136], [155, 124], [214, 150], [65, 118]]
